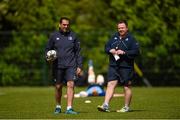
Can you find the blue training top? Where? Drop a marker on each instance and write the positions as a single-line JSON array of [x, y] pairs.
[[95, 90]]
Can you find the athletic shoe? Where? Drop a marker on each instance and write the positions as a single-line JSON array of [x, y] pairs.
[[124, 109], [57, 110], [71, 111], [103, 108]]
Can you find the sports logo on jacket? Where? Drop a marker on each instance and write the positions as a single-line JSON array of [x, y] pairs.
[[70, 38], [115, 38]]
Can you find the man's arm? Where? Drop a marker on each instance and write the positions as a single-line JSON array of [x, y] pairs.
[[134, 50], [78, 56], [49, 46], [108, 48]]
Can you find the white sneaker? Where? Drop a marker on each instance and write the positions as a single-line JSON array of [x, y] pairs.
[[124, 109]]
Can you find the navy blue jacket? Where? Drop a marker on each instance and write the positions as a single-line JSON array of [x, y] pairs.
[[127, 44], [68, 49]]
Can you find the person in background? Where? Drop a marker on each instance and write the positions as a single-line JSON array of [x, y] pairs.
[[68, 63], [94, 89], [96, 86], [122, 49]]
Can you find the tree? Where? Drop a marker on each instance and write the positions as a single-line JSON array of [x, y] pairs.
[[155, 24]]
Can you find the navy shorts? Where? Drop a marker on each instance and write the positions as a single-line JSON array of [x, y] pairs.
[[62, 75], [122, 74]]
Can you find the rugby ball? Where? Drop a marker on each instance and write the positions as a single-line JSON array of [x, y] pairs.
[[51, 55]]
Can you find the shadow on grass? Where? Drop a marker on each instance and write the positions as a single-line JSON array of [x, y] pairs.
[[135, 110]]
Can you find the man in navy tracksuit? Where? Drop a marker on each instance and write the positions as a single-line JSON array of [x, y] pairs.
[[122, 48], [68, 63]]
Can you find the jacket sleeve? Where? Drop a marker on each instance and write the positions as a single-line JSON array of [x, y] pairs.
[[49, 45], [134, 50], [77, 53], [107, 47]]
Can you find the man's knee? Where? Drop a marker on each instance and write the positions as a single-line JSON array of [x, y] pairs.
[[112, 83], [70, 84], [58, 86], [127, 87]]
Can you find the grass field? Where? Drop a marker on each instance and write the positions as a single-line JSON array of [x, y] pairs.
[[38, 103]]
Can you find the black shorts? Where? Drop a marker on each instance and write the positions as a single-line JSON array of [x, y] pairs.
[[122, 74], [62, 75]]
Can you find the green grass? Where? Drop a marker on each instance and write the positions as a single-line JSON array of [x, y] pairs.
[[38, 103]]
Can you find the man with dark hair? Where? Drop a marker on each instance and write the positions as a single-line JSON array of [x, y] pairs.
[[122, 48], [68, 63]]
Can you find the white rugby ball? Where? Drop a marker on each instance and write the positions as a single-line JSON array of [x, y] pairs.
[[52, 54]]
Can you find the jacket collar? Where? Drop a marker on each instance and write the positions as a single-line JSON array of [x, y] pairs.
[[64, 33], [118, 35]]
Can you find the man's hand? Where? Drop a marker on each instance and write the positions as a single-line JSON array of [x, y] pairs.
[[120, 52], [78, 71], [50, 59], [113, 51]]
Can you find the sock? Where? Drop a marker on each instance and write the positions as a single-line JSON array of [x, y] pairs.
[[58, 106], [106, 104], [69, 107], [126, 106]]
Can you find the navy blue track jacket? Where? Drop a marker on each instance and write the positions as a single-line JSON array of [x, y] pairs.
[[67, 47], [127, 44]]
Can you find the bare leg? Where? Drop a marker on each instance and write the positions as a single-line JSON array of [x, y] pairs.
[[110, 91], [70, 92], [127, 95], [58, 93]]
